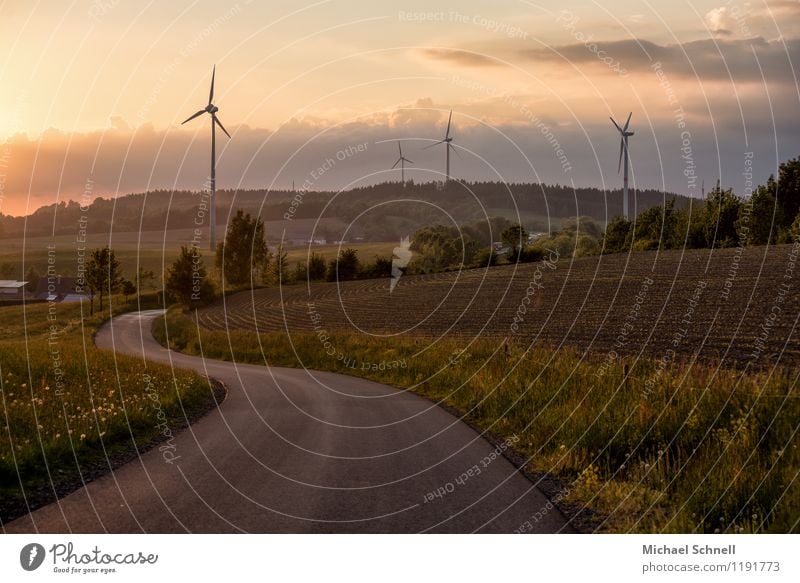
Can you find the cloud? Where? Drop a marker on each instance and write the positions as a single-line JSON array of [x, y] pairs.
[[56, 166], [461, 57], [720, 21], [423, 113], [772, 18], [708, 59], [118, 123]]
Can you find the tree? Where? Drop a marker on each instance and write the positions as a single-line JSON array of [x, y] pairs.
[[788, 190], [243, 255], [582, 225], [345, 267], [586, 246], [143, 276], [794, 230], [316, 267], [438, 247], [300, 272], [281, 267], [486, 257], [765, 217], [618, 235], [515, 237], [32, 277], [187, 279], [721, 216], [103, 274], [128, 288], [656, 227], [381, 268]]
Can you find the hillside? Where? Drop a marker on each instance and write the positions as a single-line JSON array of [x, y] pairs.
[[382, 212]]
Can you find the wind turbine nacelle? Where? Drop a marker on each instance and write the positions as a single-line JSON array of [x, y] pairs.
[[210, 108]]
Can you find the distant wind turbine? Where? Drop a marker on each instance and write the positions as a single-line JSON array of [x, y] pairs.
[[212, 109], [447, 142], [402, 161], [623, 153]]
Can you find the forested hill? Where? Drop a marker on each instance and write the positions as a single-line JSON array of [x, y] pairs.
[[463, 202]]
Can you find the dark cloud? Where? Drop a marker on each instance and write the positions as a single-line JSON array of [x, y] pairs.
[[708, 59]]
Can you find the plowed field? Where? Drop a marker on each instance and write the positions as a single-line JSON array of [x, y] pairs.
[[733, 305]]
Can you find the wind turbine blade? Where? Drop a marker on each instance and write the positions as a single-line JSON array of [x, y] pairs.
[[211, 93], [198, 114], [616, 125], [627, 122], [396, 163], [400, 149], [409, 161], [449, 119], [434, 144], [621, 148], [455, 150], [219, 123]]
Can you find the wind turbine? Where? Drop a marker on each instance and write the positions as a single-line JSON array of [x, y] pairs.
[[212, 109], [402, 161], [447, 142], [623, 153]]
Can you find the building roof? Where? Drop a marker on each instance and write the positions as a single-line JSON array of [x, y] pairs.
[[74, 298], [12, 283]]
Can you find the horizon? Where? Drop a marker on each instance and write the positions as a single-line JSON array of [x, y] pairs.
[[433, 183], [531, 90]]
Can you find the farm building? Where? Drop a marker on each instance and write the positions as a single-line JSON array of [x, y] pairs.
[[11, 289]]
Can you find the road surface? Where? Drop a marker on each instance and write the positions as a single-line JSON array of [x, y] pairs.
[[291, 450]]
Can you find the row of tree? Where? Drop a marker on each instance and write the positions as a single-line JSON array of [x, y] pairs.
[[243, 259], [103, 275], [771, 214]]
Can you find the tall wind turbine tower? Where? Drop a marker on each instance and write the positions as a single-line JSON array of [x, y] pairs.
[[448, 145], [212, 109], [402, 161], [623, 154]]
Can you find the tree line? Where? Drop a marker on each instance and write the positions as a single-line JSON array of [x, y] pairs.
[[770, 215]]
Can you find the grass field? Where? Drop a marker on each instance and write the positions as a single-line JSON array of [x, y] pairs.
[[700, 435], [69, 410], [154, 250]]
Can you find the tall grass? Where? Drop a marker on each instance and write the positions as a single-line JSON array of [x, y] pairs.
[[676, 449], [68, 408]]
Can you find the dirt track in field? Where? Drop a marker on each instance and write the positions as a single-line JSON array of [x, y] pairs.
[[736, 305]]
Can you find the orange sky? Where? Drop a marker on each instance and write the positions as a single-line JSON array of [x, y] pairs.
[[98, 89]]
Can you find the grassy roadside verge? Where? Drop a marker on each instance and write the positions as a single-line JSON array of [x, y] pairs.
[[676, 448], [69, 412]]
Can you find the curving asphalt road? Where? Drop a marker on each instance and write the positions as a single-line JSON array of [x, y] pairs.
[[291, 450]]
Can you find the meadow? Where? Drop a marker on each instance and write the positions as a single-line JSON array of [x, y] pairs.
[[69, 411]]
